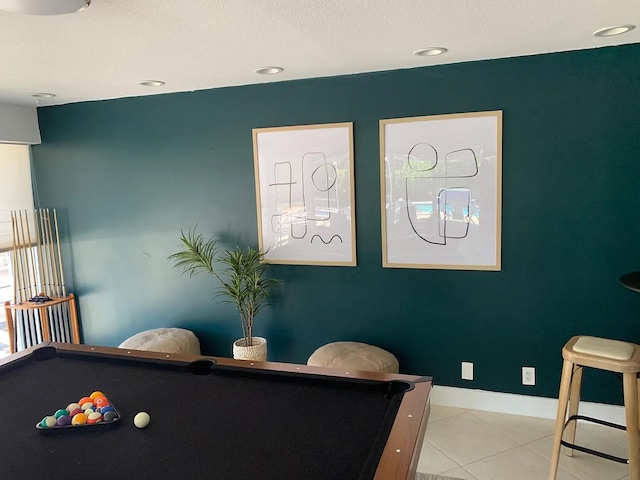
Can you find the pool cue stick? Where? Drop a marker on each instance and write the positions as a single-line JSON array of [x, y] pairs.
[[26, 322], [18, 262], [34, 316], [63, 308], [31, 328], [38, 253], [39, 249], [58, 312], [54, 320], [47, 275], [52, 278], [46, 278], [19, 259], [54, 313], [54, 262], [64, 287], [14, 270], [32, 262], [14, 263], [24, 317], [25, 255]]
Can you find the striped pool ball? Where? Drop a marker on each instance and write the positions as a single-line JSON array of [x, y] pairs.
[[95, 394], [59, 413], [48, 421], [94, 417]]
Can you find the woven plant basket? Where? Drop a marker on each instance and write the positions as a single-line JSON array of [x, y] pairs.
[[258, 351]]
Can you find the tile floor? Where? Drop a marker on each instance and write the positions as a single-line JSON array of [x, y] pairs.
[[478, 445]]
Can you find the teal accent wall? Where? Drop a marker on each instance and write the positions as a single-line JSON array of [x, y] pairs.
[[126, 175]]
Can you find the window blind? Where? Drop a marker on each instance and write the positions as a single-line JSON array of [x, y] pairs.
[[19, 124], [16, 190]]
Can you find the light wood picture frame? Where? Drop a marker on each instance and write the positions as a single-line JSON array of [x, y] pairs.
[[441, 191], [305, 194]]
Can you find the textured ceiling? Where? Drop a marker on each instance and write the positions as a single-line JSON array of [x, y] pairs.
[[103, 51]]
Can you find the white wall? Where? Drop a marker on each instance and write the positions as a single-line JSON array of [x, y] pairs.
[[513, 404]]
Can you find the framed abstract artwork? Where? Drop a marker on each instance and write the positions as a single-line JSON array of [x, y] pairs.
[[441, 191], [305, 194]]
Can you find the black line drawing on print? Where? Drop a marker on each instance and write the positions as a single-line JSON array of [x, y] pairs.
[[289, 220], [330, 240], [316, 188], [454, 202], [320, 183], [438, 210]]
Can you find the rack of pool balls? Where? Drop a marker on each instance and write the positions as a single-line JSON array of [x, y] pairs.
[[92, 410]]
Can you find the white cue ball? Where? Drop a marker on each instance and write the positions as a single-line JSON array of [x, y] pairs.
[[141, 420]]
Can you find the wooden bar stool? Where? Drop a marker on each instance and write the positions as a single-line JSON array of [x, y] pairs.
[[603, 354]]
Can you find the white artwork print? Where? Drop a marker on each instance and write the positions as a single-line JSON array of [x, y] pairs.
[[304, 185], [440, 181]]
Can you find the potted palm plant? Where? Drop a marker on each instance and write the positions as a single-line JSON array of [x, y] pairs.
[[242, 279]]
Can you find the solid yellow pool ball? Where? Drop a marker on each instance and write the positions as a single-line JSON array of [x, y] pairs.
[[79, 419]]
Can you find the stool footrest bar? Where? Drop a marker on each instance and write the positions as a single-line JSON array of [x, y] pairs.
[[594, 452], [575, 418], [594, 420]]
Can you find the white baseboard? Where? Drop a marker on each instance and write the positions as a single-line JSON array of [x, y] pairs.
[[518, 404]]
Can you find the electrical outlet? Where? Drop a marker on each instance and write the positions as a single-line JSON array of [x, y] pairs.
[[528, 375], [467, 371]]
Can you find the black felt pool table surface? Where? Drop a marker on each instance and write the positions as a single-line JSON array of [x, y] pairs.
[[229, 424]]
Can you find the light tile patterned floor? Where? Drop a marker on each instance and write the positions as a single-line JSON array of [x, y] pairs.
[[477, 445]]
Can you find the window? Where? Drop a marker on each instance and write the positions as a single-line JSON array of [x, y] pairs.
[[16, 193], [6, 294]]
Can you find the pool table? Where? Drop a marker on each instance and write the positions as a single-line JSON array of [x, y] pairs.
[[211, 418]]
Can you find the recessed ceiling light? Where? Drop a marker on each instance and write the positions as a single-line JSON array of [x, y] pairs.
[[430, 52], [268, 70], [151, 83], [43, 95], [611, 31], [40, 7]]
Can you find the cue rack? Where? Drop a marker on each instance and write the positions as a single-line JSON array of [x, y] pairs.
[[41, 309]]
